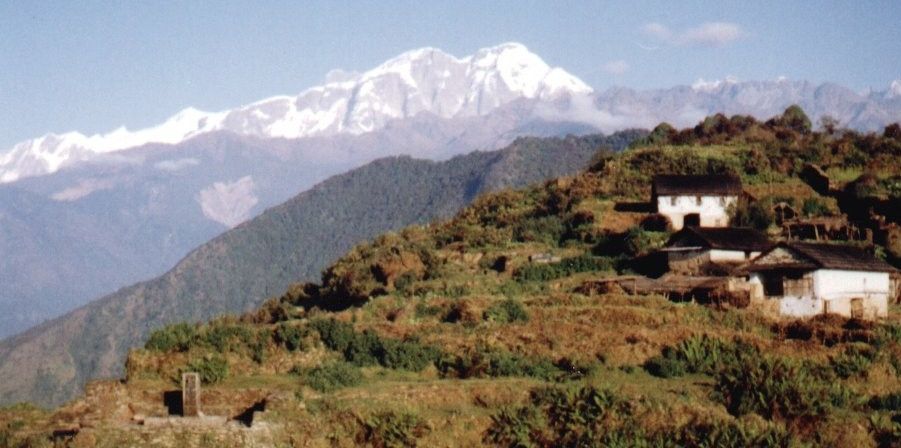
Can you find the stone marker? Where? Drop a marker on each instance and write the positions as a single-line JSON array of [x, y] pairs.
[[190, 394]]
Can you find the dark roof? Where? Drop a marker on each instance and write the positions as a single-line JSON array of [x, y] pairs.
[[831, 256], [721, 184], [726, 238]]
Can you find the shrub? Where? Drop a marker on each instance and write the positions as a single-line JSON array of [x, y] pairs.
[[332, 376], [225, 338], [424, 310], [563, 268], [890, 402], [391, 429], [639, 242], [735, 433], [487, 362], [292, 337], [697, 354], [334, 334], [854, 360], [367, 348], [815, 207], [564, 417], [507, 311], [776, 388], [212, 368], [546, 229], [177, 337], [406, 355], [515, 427], [588, 416], [363, 349]]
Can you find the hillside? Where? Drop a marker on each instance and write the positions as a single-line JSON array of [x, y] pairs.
[[296, 240], [454, 334]]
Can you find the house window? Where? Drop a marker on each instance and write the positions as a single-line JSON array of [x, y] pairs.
[[698, 200], [672, 201]]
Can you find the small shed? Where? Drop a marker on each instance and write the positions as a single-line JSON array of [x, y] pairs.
[[805, 279], [695, 249], [696, 200]]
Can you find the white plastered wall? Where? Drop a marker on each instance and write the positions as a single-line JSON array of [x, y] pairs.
[[711, 209]]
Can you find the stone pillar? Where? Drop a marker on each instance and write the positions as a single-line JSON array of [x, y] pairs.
[[190, 394]]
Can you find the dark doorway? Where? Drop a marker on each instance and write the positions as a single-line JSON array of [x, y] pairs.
[[772, 285], [172, 400], [692, 220], [246, 417]]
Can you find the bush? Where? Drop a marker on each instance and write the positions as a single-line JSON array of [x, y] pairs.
[[589, 416], [564, 268], [334, 334], [177, 337], [487, 362], [564, 417], [225, 338], [292, 337], [890, 402], [698, 354], [367, 348], [212, 368], [777, 388], [815, 207], [391, 429], [639, 242], [406, 355], [332, 376], [854, 360], [507, 311]]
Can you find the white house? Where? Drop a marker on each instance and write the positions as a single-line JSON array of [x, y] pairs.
[[805, 279], [705, 249], [696, 200]]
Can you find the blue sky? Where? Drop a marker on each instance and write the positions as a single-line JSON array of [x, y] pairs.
[[93, 66]]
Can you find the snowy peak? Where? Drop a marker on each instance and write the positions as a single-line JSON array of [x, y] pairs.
[[423, 80], [894, 90]]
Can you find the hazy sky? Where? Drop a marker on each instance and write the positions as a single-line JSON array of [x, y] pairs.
[[92, 66]]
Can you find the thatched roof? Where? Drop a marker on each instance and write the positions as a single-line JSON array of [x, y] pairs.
[[712, 184], [724, 238], [809, 256]]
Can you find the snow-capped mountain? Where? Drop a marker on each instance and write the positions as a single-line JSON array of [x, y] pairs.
[[423, 80]]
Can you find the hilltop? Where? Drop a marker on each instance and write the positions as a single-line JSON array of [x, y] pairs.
[[476, 330]]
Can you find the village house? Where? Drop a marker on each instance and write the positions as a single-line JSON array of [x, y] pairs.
[[696, 250], [696, 200], [805, 279]]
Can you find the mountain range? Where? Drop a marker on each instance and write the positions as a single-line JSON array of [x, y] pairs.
[[82, 215]]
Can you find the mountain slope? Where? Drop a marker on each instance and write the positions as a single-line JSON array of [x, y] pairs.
[[257, 259], [128, 216]]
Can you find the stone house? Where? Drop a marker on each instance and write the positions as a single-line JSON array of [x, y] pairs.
[[805, 279], [696, 200], [697, 250]]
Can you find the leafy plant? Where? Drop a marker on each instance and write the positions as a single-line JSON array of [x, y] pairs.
[[292, 337], [777, 388], [854, 360], [563, 268], [390, 429], [507, 311], [211, 368], [698, 354], [176, 337], [332, 376]]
